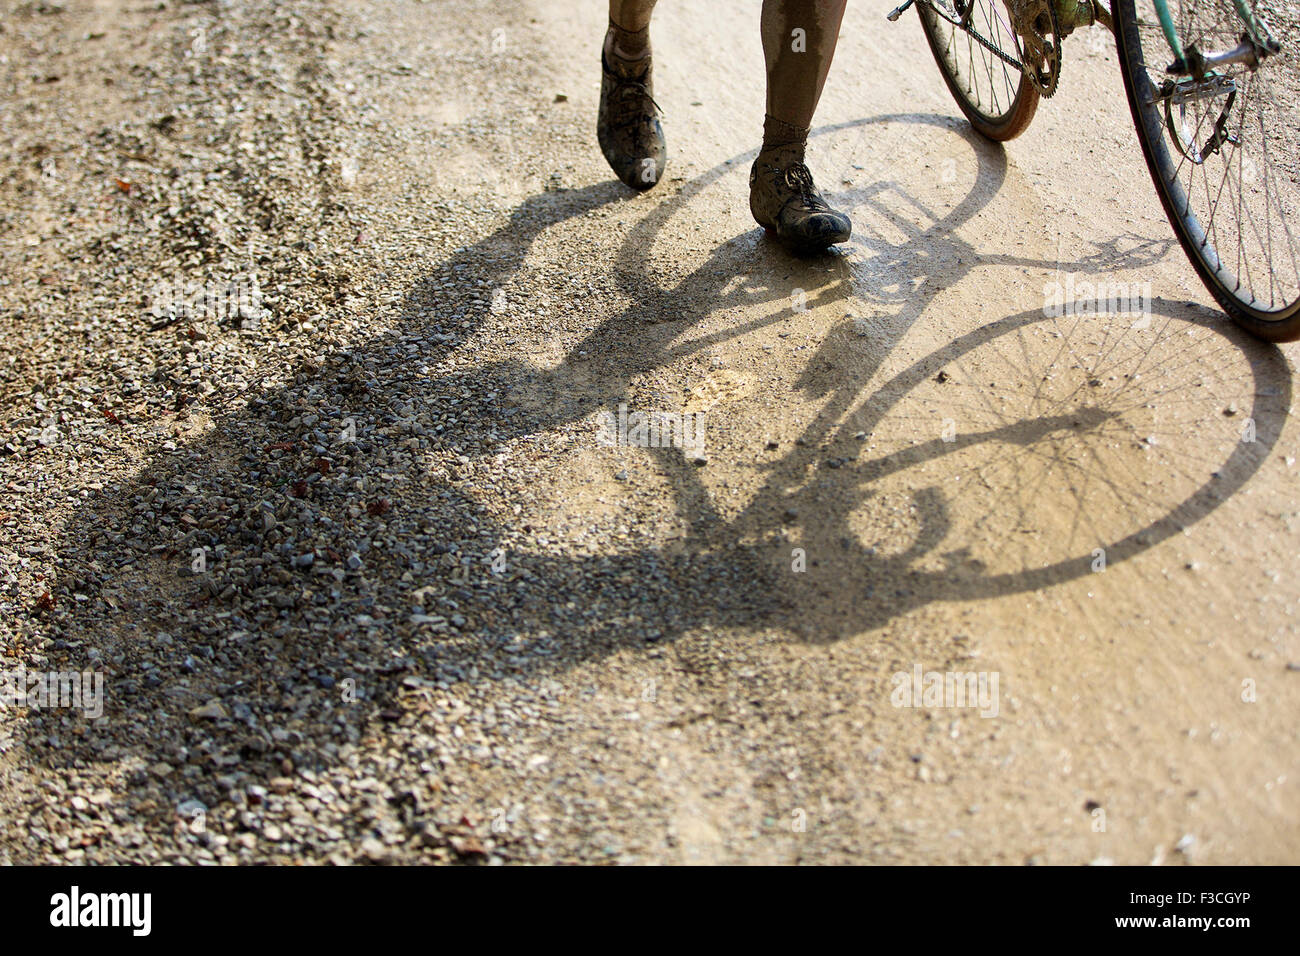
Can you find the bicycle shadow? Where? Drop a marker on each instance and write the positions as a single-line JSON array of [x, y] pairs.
[[274, 638]]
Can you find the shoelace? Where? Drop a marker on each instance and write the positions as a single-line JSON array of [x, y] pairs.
[[799, 177], [639, 90]]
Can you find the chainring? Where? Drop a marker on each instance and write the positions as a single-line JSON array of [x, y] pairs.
[[1038, 38]]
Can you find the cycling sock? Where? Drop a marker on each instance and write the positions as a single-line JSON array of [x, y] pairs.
[[780, 133], [627, 45], [629, 28]]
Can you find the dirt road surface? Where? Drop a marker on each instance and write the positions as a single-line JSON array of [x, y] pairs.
[[318, 317]]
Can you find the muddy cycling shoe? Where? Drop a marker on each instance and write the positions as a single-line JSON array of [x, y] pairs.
[[628, 125], [784, 201]]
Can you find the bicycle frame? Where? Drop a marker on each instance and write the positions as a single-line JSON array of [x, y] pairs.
[[1256, 42]]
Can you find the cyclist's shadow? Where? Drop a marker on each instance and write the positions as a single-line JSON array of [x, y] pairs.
[[726, 570]]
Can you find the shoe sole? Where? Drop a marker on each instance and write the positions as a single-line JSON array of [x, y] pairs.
[[803, 246]]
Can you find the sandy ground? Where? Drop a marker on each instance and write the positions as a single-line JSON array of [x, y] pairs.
[[478, 633]]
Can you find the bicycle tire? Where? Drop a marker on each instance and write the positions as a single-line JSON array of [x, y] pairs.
[[1000, 127], [1274, 325]]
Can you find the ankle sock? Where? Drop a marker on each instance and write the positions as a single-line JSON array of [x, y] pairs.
[[780, 133], [629, 44]]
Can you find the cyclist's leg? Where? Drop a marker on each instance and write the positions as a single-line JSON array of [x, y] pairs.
[[799, 38], [628, 125]]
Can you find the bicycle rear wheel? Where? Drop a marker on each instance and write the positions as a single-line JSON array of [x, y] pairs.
[[1224, 152], [995, 96]]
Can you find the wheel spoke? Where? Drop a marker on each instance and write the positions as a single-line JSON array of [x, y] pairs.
[[1239, 193]]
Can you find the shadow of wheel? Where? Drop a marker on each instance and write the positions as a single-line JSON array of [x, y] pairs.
[[1027, 452], [1039, 449]]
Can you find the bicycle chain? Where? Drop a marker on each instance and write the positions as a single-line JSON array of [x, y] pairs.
[[994, 49]]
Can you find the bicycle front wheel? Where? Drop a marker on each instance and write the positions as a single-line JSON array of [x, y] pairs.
[[1221, 141], [982, 76]]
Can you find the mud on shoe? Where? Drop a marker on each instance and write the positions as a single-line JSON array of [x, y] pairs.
[[628, 127], [785, 201]]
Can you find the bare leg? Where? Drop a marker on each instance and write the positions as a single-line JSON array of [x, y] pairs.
[[799, 38]]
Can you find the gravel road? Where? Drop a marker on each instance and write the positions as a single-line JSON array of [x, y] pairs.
[[317, 317]]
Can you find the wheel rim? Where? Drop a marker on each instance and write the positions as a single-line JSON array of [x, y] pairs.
[[988, 84], [1238, 199]]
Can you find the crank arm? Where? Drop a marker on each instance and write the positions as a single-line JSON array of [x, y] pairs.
[[1103, 16]]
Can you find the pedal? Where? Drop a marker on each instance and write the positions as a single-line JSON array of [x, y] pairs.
[[1102, 15], [898, 10]]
